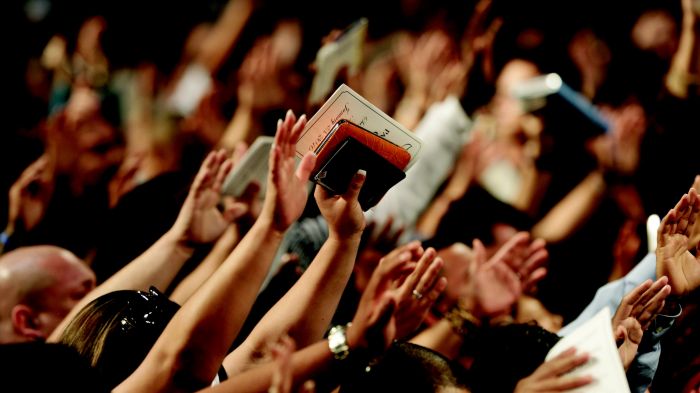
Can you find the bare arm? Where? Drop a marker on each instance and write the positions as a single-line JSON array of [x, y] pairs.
[[684, 66], [207, 267], [572, 211], [198, 222], [193, 345], [319, 288], [224, 34]]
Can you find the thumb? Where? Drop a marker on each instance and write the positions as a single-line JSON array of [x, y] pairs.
[[356, 185], [479, 252], [620, 334]]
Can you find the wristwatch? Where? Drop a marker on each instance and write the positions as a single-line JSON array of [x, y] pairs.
[[338, 342]]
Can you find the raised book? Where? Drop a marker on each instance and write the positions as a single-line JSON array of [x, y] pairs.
[[550, 95], [346, 104]]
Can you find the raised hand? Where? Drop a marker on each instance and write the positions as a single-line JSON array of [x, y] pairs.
[[30, 195], [286, 193], [525, 257], [643, 303], [374, 325], [200, 221], [630, 332], [550, 376], [343, 213], [673, 258], [418, 292], [495, 285]]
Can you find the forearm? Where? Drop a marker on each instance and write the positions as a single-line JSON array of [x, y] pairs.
[[224, 34], [240, 128], [195, 341], [305, 364], [207, 267], [157, 266], [572, 211], [319, 289], [441, 338], [684, 65]]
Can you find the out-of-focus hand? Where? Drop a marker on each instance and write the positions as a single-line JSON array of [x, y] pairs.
[[673, 257], [259, 85], [29, 196], [550, 376], [418, 292], [374, 326], [630, 333]]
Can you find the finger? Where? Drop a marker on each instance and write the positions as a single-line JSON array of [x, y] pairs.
[[654, 306], [221, 175], [307, 164], [279, 134], [685, 211], [694, 202], [535, 277], [298, 129], [429, 278], [566, 364], [289, 121], [436, 291], [534, 261], [421, 267], [479, 252], [204, 173], [665, 228], [565, 383], [355, 186], [633, 297], [648, 295]]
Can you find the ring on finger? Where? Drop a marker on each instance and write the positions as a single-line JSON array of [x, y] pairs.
[[417, 295]]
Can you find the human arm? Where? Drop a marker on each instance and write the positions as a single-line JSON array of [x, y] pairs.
[[685, 68], [371, 331], [191, 348], [572, 211], [199, 221], [319, 288]]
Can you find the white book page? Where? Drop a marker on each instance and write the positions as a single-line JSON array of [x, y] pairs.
[[346, 104], [252, 167], [332, 57], [595, 337]]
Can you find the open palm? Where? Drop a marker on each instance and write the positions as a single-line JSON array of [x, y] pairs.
[[286, 187], [673, 258]]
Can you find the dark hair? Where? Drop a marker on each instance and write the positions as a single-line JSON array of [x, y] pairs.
[[506, 354], [406, 367], [116, 331]]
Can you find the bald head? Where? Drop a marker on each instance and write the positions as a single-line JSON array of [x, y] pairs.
[[39, 286]]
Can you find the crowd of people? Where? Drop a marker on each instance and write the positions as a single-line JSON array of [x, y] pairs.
[[123, 266]]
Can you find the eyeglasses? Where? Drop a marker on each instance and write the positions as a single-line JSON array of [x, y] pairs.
[[147, 310]]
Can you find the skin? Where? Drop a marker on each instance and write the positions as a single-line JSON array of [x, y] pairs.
[[50, 273]]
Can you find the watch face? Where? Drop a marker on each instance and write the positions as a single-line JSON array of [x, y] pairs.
[[337, 342]]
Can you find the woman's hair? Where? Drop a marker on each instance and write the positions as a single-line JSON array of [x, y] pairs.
[[116, 331]]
